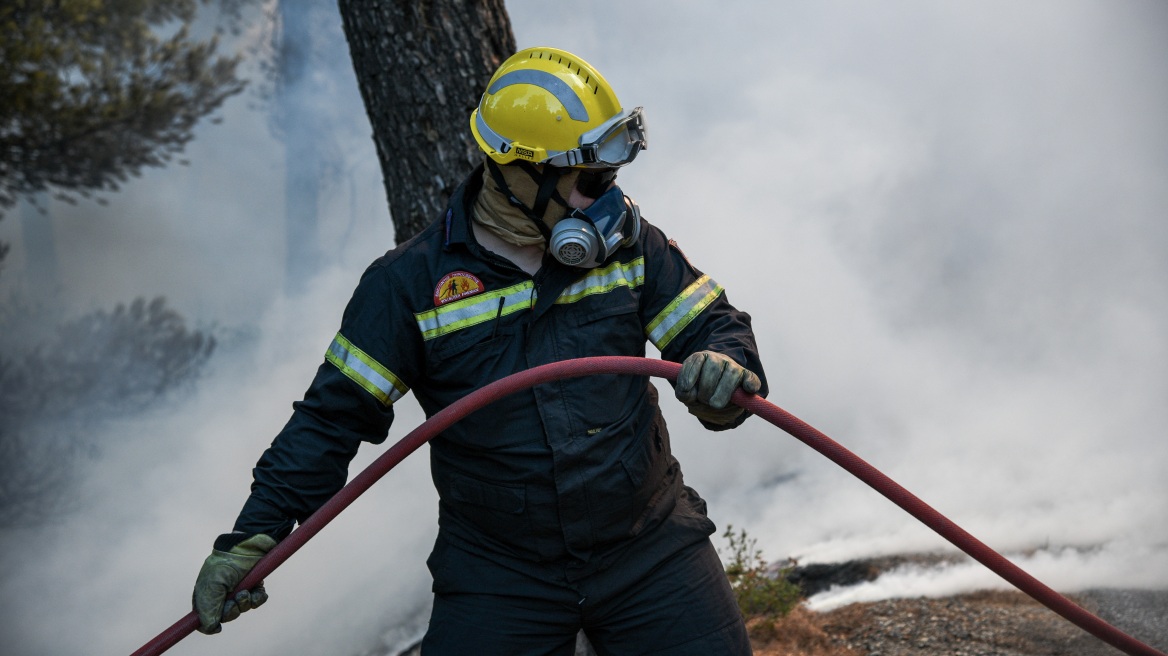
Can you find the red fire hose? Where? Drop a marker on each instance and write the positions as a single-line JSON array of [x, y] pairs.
[[661, 369]]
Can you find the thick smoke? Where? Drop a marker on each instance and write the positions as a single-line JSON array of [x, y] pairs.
[[947, 223]]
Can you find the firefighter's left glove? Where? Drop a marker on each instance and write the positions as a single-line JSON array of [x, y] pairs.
[[221, 572], [706, 382]]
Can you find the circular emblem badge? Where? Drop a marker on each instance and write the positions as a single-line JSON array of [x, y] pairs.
[[456, 285]]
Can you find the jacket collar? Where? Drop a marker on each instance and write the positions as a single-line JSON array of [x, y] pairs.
[[459, 210], [551, 279]]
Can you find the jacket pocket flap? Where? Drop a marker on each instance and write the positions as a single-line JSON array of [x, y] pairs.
[[609, 309], [504, 498]]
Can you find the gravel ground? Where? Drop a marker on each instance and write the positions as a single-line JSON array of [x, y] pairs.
[[1141, 613], [979, 624]]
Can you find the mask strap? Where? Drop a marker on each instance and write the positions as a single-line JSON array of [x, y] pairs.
[[547, 181]]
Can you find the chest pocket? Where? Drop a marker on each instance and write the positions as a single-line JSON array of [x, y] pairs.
[[468, 355], [461, 363], [604, 311], [473, 341], [605, 324], [608, 324]]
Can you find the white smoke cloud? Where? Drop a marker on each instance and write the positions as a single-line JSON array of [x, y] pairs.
[[1079, 569], [115, 574], [947, 224]]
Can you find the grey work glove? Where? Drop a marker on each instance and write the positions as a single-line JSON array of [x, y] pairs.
[[221, 572], [707, 380]]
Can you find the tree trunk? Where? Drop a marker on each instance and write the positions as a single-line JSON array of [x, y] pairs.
[[422, 67]]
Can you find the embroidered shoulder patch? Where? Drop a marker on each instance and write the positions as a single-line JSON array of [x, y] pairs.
[[456, 285]]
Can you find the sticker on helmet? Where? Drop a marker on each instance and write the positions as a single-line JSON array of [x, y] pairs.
[[456, 285]]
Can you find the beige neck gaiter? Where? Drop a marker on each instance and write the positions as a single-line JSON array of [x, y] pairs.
[[493, 211]]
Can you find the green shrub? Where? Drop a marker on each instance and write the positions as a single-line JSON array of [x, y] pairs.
[[760, 592]]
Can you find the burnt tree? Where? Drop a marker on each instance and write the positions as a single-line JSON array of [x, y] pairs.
[[422, 67]]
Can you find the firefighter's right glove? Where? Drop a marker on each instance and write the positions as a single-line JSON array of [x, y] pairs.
[[706, 382], [221, 572]]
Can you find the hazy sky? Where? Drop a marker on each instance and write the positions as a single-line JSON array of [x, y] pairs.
[[947, 220]]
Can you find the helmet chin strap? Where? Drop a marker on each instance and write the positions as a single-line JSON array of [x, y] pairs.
[[545, 180]]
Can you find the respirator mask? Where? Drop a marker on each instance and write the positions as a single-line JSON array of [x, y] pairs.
[[587, 237]]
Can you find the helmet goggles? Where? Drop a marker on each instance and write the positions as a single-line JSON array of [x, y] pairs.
[[611, 144]]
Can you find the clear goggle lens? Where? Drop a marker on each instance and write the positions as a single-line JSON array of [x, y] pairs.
[[611, 144]]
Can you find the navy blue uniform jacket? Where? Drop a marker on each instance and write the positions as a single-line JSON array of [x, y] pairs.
[[559, 477]]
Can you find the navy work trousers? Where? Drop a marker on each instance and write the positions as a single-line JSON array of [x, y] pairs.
[[682, 606]]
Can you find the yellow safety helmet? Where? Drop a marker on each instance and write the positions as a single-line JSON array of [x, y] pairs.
[[548, 106]]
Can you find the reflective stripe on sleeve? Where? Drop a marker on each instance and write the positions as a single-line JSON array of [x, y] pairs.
[[600, 281], [365, 371], [681, 311], [475, 310]]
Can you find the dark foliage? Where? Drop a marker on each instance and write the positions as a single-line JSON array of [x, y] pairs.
[[93, 94], [55, 396]]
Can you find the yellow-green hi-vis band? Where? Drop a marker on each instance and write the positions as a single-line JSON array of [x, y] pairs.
[[365, 371], [601, 281], [379, 381], [475, 310], [483, 307], [681, 311]]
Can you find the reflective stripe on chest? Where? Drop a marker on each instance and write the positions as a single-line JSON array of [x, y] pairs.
[[487, 306], [475, 310], [603, 280]]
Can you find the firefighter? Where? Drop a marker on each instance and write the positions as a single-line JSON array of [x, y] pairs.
[[561, 508]]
